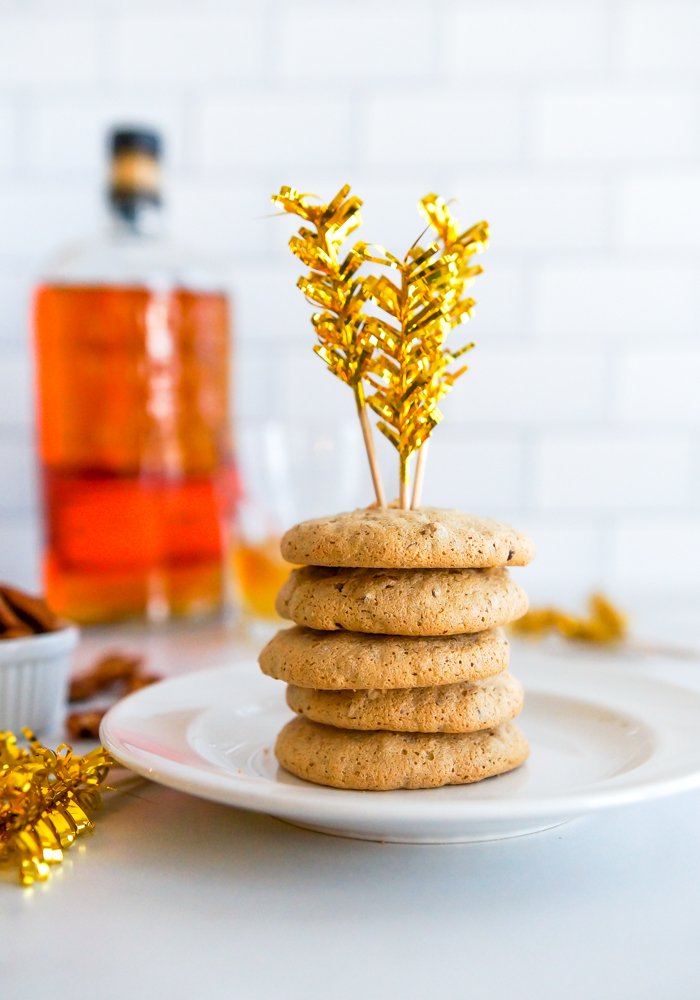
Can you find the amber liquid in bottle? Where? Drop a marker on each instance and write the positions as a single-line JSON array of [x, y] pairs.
[[134, 449]]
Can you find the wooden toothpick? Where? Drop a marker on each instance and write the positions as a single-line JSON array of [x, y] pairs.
[[420, 475], [404, 481], [372, 456]]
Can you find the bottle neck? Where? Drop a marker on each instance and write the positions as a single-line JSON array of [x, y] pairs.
[[135, 218], [134, 192]]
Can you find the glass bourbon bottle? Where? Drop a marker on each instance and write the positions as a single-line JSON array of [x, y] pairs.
[[132, 351]]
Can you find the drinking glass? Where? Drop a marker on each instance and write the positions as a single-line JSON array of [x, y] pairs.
[[290, 472]]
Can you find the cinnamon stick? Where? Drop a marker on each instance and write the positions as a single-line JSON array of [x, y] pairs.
[[32, 611]]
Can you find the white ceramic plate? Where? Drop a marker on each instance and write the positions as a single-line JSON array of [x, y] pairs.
[[599, 738]]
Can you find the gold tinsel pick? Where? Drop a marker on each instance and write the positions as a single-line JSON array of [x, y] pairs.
[[333, 285], [410, 373], [604, 623], [44, 801]]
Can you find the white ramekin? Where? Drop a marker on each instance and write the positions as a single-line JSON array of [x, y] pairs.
[[34, 679]]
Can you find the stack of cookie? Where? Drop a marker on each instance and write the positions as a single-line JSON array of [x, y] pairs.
[[396, 665]]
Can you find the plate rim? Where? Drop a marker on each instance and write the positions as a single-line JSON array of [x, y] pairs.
[[259, 794]]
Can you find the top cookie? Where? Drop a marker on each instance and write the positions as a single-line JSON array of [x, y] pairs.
[[388, 538]]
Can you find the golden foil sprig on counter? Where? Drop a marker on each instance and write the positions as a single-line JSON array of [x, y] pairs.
[[604, 623], [344, 342], [45, 797], [410, 372]]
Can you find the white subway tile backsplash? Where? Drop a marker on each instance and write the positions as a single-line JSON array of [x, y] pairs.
[[390, 204], [278, 131], [35, 218], [613, 471], [569, 561], [660, 36], [661, 211], [523, 386], [269, 305], [16, 396], [68, 134], [254, 393], [613, 301], [656, 556], [48, 49], [572, 128], [475, 471], [615, 123], [501, 311], [216, 218], [18, 487], [19, 552], [532, 39], [660, 385], [16, 284], [193, 48], [309, 391], [7, 136], [540, 212], [321, 41], [467, 128]]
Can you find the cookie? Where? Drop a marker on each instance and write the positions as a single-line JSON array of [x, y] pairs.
[[378, 761], [340, 659], [428, 538], [401, 601], [449, 708]]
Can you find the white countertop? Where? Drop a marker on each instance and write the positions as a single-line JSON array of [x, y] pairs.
[[174, 897]]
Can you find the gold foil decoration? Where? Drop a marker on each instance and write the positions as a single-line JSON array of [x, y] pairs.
[[604, 623], [463, 246], [45, 797], [410, 372], [405, 363], [333, 285]]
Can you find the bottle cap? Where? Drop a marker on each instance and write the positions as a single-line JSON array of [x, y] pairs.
[[135, 170], [135, 140]]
